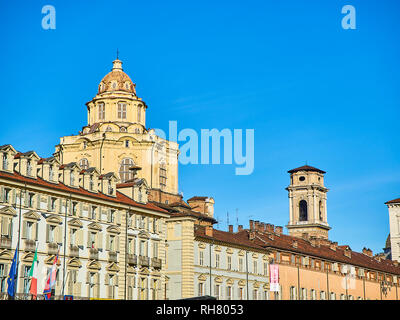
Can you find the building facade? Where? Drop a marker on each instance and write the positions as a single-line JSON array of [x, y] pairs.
[[107, 204]]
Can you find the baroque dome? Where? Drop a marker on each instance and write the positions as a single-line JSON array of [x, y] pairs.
[[117, 80]]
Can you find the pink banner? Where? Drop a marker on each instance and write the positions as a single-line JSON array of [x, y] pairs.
[[274, 277]]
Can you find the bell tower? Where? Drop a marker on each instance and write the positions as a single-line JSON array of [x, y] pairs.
[[307, 203]]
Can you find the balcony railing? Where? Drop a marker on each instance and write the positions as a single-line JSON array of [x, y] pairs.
[[5, 242], [73, 251], [112, 256], [30, 245], [144, 261], [52, 248], [156, 263], [132, 259], [93, 254]]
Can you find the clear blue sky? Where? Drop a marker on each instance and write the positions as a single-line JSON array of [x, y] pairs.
[[311, 91]]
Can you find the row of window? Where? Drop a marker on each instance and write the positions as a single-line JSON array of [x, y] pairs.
[[241, 267], [338, 268], [312, 295], [121, 111], [228, 293], [145, 290]]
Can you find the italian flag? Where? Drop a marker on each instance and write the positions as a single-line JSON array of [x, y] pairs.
[[33, 275]]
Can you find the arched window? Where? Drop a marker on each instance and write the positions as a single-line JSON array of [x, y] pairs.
[[124, 172], [84, 164], [303, 215]]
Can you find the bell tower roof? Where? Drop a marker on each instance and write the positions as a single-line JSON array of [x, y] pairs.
[[306, 168]]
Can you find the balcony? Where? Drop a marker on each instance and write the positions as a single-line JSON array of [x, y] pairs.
[[52, 248], [132, 259], [93, 254], [73, 251], [144, 261], [30, 245], [112, 256], [156, 263], [5, 242]]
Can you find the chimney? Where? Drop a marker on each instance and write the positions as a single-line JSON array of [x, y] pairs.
[[278, 230], [251, 224], [256, 225], [240, 227], [269, 228], [261, 227], [209, 231], [231, 228], [367, 252]]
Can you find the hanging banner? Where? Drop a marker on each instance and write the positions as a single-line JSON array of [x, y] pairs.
[[274, 277]]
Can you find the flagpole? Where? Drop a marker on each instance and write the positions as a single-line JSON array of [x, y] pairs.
[[65, 240], [19, 237]]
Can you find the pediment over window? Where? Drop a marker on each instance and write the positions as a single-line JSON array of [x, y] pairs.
[[241, 253], [113, 229], [202, 277], [75, 223], [202, 245], [50, 260], [229, 250], [94, 226], [74, 263], [144, 235], [144, 271], [31, 215], [229, 281], [6, 254], [256, 284], [28, 257], [218, 280], [54, 219], [266, 286], [113, 267], [93, 265], [241, 283], [10, 211], [217, 248], [130, 270]]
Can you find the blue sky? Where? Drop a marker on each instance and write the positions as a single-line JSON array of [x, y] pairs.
[[311, 90]]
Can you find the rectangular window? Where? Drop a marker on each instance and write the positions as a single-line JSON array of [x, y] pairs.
[[217, 287], [240, 293], [201, 257], [5, 161], [3, 277], [201, 289], [93, 214], [121, 110], [138, 114], [255, 293], [217, 260], [27, 269], [241, 264], [255, 266], [229, 293], [229, 262], [102, 111]]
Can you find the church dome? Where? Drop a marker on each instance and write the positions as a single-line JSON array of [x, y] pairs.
[[117, 80]]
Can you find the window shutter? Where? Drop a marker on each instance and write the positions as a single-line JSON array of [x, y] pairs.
[[99, 240], [88, 277], [80, 209], [117, 243], [14, 196], [116, 280], [89, 245], [36, 230], [24, 229], [1, 194], [107, 242], [118, 217], [48, 203], [38, 201], [59, 234], [26, 197], [80, 237]]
